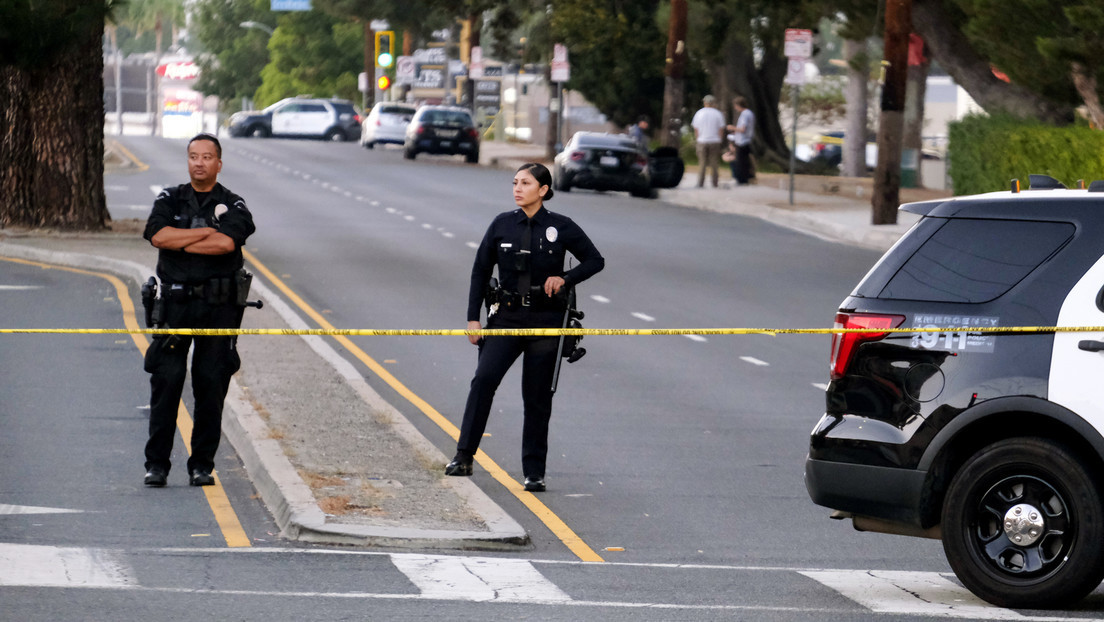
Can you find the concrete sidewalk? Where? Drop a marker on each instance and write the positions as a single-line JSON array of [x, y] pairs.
[[331, 459]]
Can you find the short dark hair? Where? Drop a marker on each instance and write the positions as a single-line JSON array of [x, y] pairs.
[[210, 137], [740, 101], [539, 173]]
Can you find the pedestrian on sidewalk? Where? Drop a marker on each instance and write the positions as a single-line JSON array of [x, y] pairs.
[[199, 228], [709, 133], [528, 246], [742, 134], [639, 132]]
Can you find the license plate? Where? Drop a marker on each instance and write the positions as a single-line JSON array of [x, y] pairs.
[[447, 133], [446, 143], [608, 161]]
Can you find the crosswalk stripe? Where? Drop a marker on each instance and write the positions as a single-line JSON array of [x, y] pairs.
[[7, 509], [53, 566], [477, 579], [900, 592]]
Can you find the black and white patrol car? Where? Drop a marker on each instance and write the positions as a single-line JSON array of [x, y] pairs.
[[990, 441], [303, 117]]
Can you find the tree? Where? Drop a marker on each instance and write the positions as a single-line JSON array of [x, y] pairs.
[[232, 57], [739, 45], [1080, 45], [51, 105], [955, 46], [616, 52], [312, 52]]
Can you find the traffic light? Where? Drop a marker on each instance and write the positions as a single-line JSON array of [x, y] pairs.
[[385, 48], [384, 82]]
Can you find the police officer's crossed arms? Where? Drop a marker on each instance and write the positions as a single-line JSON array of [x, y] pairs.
[[528, 245], [199, 229]]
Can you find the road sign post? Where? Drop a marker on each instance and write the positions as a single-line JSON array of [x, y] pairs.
[[798, 49]]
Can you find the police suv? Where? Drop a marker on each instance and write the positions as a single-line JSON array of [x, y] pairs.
[[963, 406], [329, 119]]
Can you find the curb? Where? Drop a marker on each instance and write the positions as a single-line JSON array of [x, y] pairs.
[[282, 490]]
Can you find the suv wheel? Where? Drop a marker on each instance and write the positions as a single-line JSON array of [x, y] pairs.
[[335, 135], [472, 158], [258, 131], [409, 153], [1023, 525]]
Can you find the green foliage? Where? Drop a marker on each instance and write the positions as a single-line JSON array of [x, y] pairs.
[[232, 56], [1007, 32], [617, 55], [987, 152], [313, 53]]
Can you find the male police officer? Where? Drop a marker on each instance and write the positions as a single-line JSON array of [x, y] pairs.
[[199, 228]]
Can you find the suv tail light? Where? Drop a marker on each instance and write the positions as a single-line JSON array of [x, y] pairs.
[[578, 156], [845, 344]]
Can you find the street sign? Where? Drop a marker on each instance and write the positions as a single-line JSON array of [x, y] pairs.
[[799, 43], [561, 69], [795, 71], [475, 71], [291, 5], [405, 69]]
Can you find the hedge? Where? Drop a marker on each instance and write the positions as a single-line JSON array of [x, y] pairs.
[[986, 153]]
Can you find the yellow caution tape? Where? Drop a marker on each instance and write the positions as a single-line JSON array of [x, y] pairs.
[[543, 332]]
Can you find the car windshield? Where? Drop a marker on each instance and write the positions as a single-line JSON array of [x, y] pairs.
[[446, 118]]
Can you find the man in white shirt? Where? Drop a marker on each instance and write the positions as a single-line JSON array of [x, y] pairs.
[[709, 128]]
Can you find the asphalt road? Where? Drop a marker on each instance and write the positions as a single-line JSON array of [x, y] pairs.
[[679, 460]]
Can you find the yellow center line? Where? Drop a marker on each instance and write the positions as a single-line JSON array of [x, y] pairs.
[[225, 516], [572, 541]]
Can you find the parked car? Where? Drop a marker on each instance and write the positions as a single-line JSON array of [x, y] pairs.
[[598, 161], [991, 441], [386, 123], [442, 130], [329, 119]]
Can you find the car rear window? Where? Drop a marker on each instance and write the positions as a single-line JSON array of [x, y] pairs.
[[447, 118], [967, 261]]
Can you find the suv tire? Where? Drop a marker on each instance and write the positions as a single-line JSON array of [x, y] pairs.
[[409, 153], [258, 131], [1060, 557], [335, 135]]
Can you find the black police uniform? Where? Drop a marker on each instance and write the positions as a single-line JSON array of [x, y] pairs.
[[551, 236], [198, 291]]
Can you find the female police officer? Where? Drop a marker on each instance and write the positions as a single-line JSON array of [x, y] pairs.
[[528, 246]]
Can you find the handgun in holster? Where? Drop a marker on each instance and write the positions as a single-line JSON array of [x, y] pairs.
[[154, 306]]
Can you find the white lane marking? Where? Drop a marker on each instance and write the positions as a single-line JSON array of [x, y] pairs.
[[52, 566], [19, 287], [754, 361], [821, 386], [477, 579], [697, 338], [408, 218], [426, 225], [471, 245], [601, 299], [7, 509], [110, 188], [448, 235], [132, 208], [643, 316], [913, 593]]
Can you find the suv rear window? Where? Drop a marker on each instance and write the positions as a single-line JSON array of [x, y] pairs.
[[970, 261], [447, 118]]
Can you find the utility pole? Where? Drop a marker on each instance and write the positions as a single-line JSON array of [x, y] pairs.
[[674, 72], [891, 126], [369, 94]]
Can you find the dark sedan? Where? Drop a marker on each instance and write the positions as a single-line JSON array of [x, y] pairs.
[[603, 162]]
